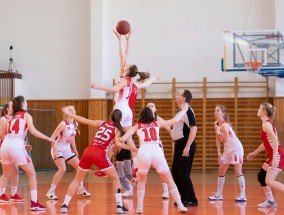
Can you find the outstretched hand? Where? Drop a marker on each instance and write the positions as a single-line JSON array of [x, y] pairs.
[[128, 35], [94, 86]]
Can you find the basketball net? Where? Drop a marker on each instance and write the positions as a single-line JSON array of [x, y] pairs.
[[253, 69]]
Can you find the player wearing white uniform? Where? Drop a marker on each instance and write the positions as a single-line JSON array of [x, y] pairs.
[[122, 92], [233, 154], [13, 150], [6, 112], [61, 152], [150, 153]]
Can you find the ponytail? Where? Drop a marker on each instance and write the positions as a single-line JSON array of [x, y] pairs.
[[116, 116], [270, 110]]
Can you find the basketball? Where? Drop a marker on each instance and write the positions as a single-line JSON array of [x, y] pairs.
[[123, 27]]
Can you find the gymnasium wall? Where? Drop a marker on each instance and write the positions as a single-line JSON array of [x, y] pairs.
[[60, 47]]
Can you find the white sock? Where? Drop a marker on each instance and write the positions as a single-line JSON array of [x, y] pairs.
[[118, 198], [140, 198], [67, 200], [242, 185], [134, 163], [14, 190], [81, 185], [52, 187], [34, 195], [174, 192], [165, 187], [221, 182], [268, 193]]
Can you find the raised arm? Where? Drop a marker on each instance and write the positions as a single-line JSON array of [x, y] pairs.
[[80, 119], [122, 83], [147, 82], [129, 133], [178, 116], [120, 144]]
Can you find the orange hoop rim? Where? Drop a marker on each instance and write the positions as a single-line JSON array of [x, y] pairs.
[[253, 64]]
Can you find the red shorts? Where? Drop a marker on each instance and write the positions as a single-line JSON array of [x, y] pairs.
[[279, 159], [95, 155]]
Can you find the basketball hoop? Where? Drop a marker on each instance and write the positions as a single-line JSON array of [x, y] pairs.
[[253, 67]]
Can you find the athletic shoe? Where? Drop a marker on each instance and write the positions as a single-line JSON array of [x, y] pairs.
[[100, 174], [64, 209], [121, 209], [16, 198], [267, 204], [84, 192], [182, 209], [128, 193], [51, 195], [241, 199], [4, 198], [139, 210], [216, 197], [35, 206], [124, 183], [166, 195]]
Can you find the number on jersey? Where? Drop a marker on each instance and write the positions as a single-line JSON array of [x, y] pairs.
[[150, 134]]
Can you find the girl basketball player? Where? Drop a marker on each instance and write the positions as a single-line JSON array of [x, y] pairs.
[[5, 114], [152, 106], [232, 154], [13, 147], [150, 153], [96, 153], [123, 93], [275, 161], [61, 152]]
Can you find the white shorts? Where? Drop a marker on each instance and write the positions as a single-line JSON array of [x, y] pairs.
[[151, 155], [127, 115], [11, 155], [66, 154], [233, 154]]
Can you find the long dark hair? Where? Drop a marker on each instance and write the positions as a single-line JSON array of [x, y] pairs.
[[17, 104], [116, 116], [146, 115], [133, 71], [4, 110]]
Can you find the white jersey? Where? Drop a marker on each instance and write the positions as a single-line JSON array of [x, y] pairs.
[[16, 131], [66, 135], [233, 151], [6, 118], [148, 133], [124, 94]]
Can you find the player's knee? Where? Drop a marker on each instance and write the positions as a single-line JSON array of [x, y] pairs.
[[62, 170], [261, 176]]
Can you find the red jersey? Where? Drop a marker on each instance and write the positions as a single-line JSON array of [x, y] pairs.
[[105, 135], [267, 142]]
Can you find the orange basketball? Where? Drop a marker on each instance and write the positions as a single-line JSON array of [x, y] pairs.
[[123, 27]]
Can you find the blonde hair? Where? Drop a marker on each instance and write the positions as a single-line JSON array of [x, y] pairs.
[[270, 110]]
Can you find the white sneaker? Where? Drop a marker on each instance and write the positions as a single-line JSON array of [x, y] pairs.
[[216, 197], [139, 210], [241, 198], [51, 195], [64, 209], [166, 195], [128, 193], [84, 192], [267, 204], [182, 209]]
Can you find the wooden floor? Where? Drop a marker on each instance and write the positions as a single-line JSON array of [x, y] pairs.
[[102, 199]]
